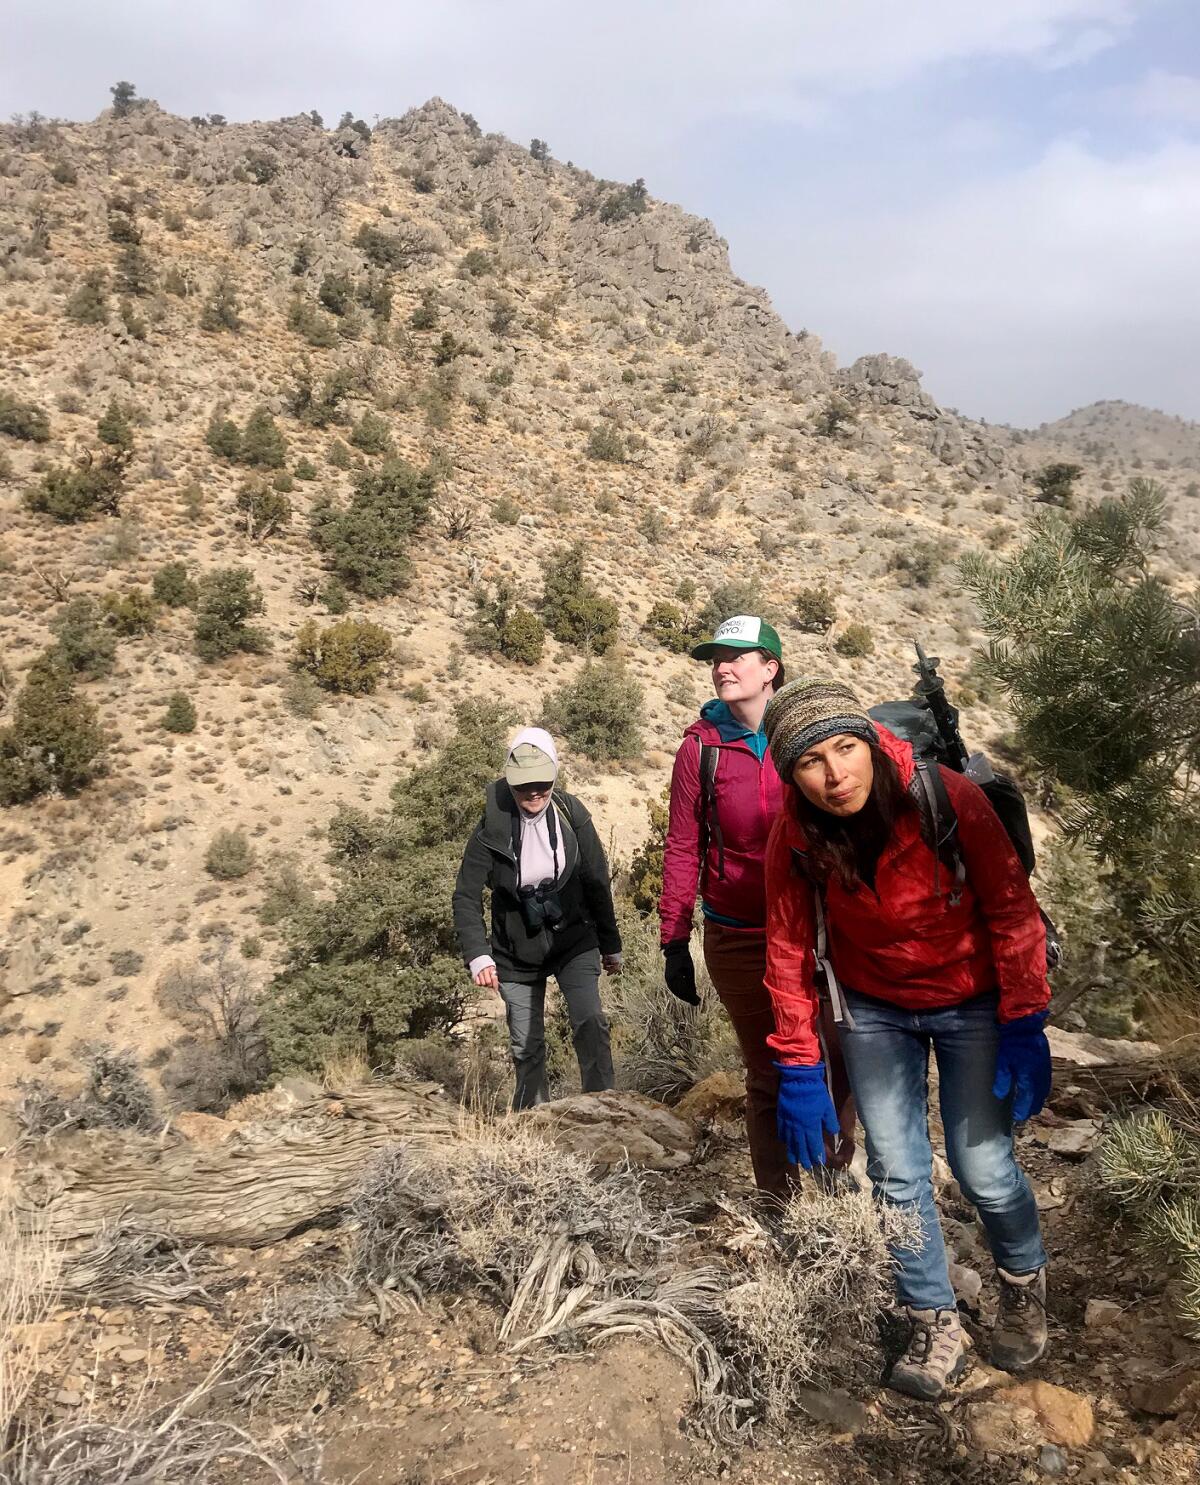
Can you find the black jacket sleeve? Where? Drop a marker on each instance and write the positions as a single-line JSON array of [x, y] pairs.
[[594, 880], [467, 902]]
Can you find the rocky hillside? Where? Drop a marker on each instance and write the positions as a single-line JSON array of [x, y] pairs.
[[568, 359], [1127, 435]]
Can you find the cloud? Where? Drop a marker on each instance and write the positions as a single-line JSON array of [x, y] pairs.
[[1070, 280], [1165, 97]]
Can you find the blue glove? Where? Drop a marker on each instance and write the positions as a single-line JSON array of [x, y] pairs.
[[1023, 1064], [805, 1113]]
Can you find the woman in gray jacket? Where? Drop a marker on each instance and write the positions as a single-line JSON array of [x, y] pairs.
[[552, 914]]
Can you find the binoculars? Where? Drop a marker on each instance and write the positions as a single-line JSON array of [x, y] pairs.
[[541, 906]]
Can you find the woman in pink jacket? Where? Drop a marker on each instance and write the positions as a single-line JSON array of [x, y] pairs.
[[725, 795]]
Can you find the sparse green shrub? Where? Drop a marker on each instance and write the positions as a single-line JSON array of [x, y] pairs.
[[624, 202], [503, 627], [348, 657], [855, 642], [53, 740], [305, 469], [262, 443], [133, 322], [226, 598], [599, 712], [371, 434], [134, 273], [503, 318], [180, 715], [302, 696], [336, 293], [318, 407], [475, 263], [574, 612], [606, 444], [815, 610], [425, 315], [1056, 484], [833, 417], [340, 456], [131, 613], [64, 173], [506, 511], [378, 963], [86, 646], [223, 436], [172, 585], [114, 427], [335, 596], [262, 167], [20, 419], [220, 310], [394, 251], [264, 509], [366, 544], [729, 599], [229, 856], [79, 493], [317, 329], [88, 305], [919, 564], [666, 625]]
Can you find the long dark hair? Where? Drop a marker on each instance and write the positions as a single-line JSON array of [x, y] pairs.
[[849, 847]]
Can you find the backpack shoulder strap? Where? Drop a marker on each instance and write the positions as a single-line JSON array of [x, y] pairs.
[[710, 824], [939, 825]]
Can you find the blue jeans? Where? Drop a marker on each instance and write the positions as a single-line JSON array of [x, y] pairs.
[[887, 1057]]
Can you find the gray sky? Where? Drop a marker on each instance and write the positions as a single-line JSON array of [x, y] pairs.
[[1006, 193]]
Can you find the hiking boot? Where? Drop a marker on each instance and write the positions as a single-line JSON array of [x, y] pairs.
[[1020, 1334], [934, 1357]]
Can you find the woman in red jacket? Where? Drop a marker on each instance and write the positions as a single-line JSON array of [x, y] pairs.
[[725, 795], [924, 961]]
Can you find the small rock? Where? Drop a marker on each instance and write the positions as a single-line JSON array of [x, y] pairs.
[[1074, 1139], [968, 1284], [132, 1354], [1167, 1395], [68, 1398], [1101, 1313], [1066, 1417], [202, 1129], [1051, 1460], [721, 1095]]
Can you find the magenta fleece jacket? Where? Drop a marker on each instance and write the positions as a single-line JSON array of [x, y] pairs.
[[748, 799]]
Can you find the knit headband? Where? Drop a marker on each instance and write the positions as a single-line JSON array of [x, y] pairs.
[[806, 712]]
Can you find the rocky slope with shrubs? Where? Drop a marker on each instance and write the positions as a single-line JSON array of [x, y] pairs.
[[309, 436]]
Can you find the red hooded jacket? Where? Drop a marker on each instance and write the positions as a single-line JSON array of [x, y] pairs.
[[748, 797], [905, 942]]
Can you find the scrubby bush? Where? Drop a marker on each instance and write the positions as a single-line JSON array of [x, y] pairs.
[[919, 564], [667, 626], [366, 543], [53, 740], [336, 292], [599, 712], [262, 443], [855, 642], [1056, 484], [134, 273], [624, 202], [180, 715], [425, 315], [574, 612], [220, 310], [226, 598], [114, 427], [371, 434], [347, 657], [223, 436], [262, 167], [503, 627], [131, 613], [475, 263], [606, 444], [173, 586], [833, 417], [815, 610], [88, 305], [318, 407], [223, 1055], [115, 1095], [80, 493], [86, 646], [229, 856], [305, 469], [394, 250], [317, 329], [378, 963], [730, 599], [264, 509], [21, 419]]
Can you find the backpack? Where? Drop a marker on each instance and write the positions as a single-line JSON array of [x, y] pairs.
[[913, 722]]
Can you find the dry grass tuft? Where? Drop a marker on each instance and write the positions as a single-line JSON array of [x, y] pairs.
[[807, 1317]]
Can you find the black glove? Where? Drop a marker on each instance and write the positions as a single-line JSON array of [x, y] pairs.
[[680, 972]]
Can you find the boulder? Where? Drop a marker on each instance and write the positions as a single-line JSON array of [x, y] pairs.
[[606, 1128], [720, 1096]]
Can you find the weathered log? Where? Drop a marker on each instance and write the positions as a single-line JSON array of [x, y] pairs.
[[264, 1182]]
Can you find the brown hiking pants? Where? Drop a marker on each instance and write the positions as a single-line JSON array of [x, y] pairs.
[[737, 963]]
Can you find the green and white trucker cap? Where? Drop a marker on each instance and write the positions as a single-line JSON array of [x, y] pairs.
[[742, 632]]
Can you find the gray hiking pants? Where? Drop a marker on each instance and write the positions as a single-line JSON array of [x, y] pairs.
[[579, 981]]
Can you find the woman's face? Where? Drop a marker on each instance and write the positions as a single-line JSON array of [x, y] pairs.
[[742, 675], [836, 775], [532, 798]]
